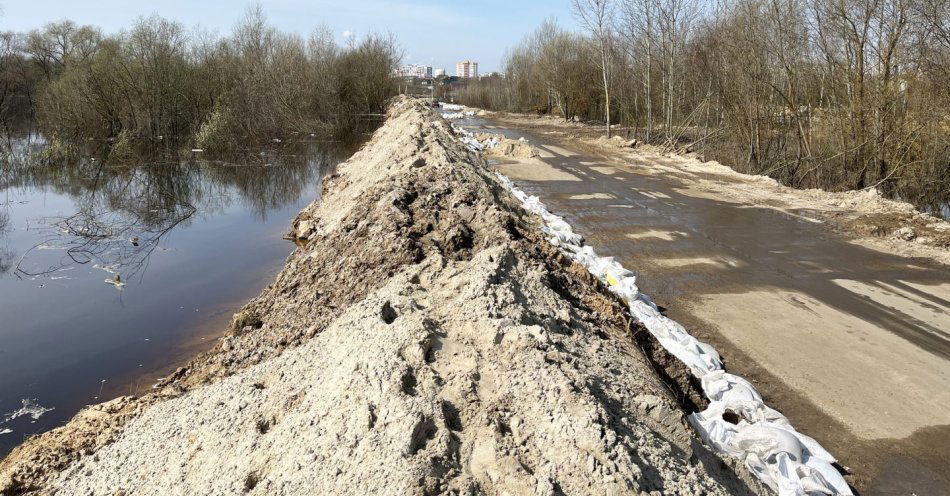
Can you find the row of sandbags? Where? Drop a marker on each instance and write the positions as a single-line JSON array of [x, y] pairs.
[[471, 140], [451, 107], [454, 116], [789, 462], [454, 112]]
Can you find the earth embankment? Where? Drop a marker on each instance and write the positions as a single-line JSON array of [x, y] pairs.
[[423, 338]]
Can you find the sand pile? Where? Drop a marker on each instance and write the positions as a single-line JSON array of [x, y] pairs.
[[422, 339], [615, 140], [499, 146]]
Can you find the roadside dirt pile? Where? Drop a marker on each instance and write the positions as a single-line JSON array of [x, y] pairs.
[[616, 140], [423, 338], [500, 146]]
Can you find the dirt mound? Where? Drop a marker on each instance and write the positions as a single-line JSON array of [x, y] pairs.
[[423, 338], [616, 140], [496, 145]]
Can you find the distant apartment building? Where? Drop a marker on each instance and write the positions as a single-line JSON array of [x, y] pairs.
[[466, 69], [439, 72], [415, 70]]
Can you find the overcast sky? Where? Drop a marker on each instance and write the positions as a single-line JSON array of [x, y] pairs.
[[432, 32]]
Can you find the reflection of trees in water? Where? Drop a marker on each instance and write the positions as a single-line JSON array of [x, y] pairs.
[[123, 212], [116, 226], [11, 160], [267, 182], [7, 255]]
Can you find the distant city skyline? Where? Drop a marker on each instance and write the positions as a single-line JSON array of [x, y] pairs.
[[431, 32]]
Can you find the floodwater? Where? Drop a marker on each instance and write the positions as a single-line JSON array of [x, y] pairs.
[[111, 276], [852, 344]]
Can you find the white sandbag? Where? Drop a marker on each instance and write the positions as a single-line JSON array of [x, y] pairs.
[[722, 386], [698, 356], [714, 431], [469, 139], [561, 238], [625, 287], [646, 300], [793, 470], [767, 442]]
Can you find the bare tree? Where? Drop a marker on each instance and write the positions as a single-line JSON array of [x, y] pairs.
[[596, 16], [638, 18]]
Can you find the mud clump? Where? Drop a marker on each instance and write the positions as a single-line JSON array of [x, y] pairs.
[[422, 338]]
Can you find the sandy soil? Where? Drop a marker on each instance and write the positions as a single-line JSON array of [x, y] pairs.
[[423, 339]]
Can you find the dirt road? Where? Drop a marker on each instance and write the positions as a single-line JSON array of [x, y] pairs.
[[852, 343]]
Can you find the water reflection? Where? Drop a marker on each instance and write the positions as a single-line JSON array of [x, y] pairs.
[[190, 238], [6, 254], [123, 212]]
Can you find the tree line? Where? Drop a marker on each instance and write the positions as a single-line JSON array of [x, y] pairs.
[[837, 94], [160, 81]]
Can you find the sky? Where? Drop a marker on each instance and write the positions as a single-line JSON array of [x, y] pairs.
[[431, 32]]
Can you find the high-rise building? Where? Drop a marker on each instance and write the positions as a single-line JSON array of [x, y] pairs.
[[439, 72], [466, 69]]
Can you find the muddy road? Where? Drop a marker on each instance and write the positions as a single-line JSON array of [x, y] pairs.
[[852, 343]]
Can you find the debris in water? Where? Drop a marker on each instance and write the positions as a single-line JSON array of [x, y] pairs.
[[101, 385], [30, 407], [116, 281], [112, 269]]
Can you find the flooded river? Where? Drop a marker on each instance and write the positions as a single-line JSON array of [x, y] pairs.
[[111, 276]]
